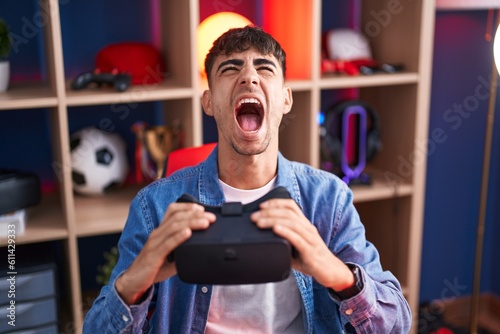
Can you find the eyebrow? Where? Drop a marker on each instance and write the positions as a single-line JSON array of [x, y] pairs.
[[264, 61], [239, 62]]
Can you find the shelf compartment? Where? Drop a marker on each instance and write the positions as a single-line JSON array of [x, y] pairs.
[[335, 81], [27, 96], [103, 214], [387, 224], [168, 90], [401, 153], [44, 222], [296, 131], [380, 190], [299, 85], [398, 44]]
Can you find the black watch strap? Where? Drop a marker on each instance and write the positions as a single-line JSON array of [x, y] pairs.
[[354, 289]]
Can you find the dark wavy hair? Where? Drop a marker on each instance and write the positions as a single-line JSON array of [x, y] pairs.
[[243, 39]]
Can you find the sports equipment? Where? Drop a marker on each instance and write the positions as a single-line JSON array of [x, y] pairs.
[[99, 161], [233, 250]]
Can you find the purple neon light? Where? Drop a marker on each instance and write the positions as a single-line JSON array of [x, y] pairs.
[[350, 173]]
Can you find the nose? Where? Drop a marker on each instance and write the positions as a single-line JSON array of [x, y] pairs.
[[249, 76]]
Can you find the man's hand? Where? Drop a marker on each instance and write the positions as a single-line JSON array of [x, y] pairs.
[[315, 259], [151, 266]]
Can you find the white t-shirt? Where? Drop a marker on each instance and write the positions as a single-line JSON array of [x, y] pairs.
[[255, 308]]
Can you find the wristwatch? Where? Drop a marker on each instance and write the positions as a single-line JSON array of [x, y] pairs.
[[354, 289]]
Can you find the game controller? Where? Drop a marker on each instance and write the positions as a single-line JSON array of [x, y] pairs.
[[384, 68], [233, 250], [355, 67], [120, 81]]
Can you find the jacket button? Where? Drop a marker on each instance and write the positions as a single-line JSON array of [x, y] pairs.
[[204, 289]]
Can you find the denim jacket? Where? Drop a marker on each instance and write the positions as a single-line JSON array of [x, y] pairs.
[[172, 306]]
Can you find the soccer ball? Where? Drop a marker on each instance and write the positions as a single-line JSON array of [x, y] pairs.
[[98, 161]]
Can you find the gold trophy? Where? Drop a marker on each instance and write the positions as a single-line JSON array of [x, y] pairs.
[[160, 141], [157, 141]]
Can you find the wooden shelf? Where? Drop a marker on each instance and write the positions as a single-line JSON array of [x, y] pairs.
[[344, 81], [299, 85], [103, 214], [44, 222], [26, 96], [379, 190], [107, 95]]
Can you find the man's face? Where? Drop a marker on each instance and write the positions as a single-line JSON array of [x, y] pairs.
[[248, 99]]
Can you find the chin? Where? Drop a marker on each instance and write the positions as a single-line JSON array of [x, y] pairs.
[[251, 149]]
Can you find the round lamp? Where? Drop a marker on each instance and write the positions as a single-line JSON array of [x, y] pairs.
[[496, 48], [211, 28]]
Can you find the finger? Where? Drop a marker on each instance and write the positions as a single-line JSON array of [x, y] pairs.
[[181, 222], [269, 218], [300, 226], [278, 214], [166, 239], [283, 204], [292, 236], [311, 252], [163, 242], [192, 216], [175, 208], [191, 219]]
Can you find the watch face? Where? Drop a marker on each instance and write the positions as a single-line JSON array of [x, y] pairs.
[[358, 283], [351, 291], [357, 278]]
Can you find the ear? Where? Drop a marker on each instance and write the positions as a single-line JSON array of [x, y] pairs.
[[206, 102], [287, 94]]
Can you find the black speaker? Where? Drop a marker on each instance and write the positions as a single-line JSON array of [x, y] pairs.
[[331, 133], [18, 190]]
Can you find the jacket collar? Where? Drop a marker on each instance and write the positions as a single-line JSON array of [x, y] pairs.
[[210, 191]]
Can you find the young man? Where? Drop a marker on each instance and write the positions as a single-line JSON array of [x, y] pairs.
[[337, 283]]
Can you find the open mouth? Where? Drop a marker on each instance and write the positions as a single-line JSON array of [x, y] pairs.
[[249, 113]]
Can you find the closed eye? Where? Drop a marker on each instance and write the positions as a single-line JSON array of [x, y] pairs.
[[229, 65], [266, 68], [228, 68], [264, 64]]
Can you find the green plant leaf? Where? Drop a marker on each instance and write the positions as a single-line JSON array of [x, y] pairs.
[[5, 42], [105, 270]]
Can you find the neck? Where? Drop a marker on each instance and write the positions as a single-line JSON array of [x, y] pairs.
[[247, 171]]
